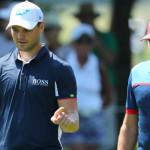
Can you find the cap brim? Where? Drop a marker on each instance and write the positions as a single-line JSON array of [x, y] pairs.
[[29, 25], [146, 37]]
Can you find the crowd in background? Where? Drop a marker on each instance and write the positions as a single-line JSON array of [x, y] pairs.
[[92, 55]]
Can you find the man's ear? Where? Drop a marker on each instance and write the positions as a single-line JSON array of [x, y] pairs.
[[42, 27]]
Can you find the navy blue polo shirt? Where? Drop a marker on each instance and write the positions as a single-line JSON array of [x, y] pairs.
[[28, 100]]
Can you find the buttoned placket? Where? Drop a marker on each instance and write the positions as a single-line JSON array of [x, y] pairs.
[[23, 77], [23, 74]]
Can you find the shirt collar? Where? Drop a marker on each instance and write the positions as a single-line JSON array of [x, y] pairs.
[[25, 62], [39, 57]]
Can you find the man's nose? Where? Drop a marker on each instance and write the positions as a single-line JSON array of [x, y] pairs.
[[20, 35]]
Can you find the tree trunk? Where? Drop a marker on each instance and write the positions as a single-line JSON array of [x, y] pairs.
[[122, 9]]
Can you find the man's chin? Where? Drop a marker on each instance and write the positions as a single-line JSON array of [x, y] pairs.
[[22, 49]]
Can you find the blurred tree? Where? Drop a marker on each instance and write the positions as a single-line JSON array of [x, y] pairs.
[[122, 9]]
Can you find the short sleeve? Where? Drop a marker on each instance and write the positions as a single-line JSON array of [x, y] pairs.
[[131, 106], [66, 83]]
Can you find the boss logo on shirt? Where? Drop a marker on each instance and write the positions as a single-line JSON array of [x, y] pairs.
[[40, 82]]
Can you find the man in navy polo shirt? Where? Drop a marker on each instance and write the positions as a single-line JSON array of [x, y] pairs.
[[136, 124], [37, 89]]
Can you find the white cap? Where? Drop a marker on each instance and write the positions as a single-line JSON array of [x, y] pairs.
[[82, 29], [26, 15]]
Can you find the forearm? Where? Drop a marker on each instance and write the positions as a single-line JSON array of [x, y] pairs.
[[67, 116], [105, 54], [73, 124], [127, 138], [106, 85]]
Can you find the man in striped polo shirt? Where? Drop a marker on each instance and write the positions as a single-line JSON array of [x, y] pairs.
[[136, 124]]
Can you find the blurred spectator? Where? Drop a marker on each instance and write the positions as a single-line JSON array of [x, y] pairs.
[[105, 46], [51, 32], [106, 49], [93, 91], [51, 36], [6, 42]]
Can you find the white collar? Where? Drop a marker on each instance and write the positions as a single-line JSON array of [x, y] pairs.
[[25, 62]]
